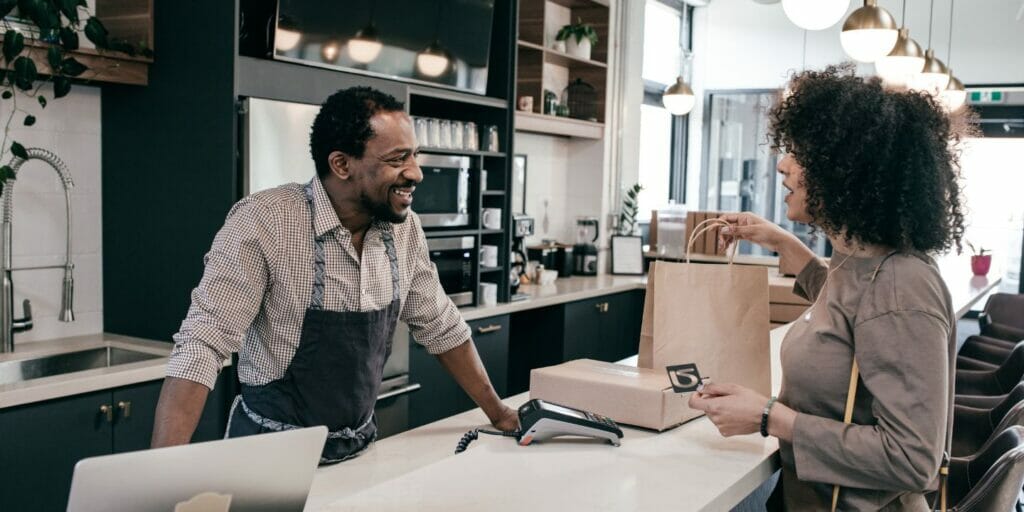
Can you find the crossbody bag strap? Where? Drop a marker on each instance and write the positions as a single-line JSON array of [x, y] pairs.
[[851, 395]]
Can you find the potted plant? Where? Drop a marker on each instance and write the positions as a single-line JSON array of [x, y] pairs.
[[980, 262], [45, 32], [630, 207], [580, 38]]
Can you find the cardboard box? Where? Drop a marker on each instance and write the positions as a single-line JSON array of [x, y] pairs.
[[711, 235], [632, 396], [785, 313], [780, 291], [691, 228]]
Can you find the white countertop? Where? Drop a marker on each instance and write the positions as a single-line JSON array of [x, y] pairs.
[[690, 467], [564, 289]]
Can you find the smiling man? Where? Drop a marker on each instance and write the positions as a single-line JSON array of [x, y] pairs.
[[307, 283]]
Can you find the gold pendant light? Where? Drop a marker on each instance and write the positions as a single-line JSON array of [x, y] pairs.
[[904, 61], [934, 77], [869, 33]]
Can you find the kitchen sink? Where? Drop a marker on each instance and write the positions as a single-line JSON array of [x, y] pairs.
[[57, 364]]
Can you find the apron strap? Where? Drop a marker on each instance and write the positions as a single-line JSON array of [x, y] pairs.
[[317, 299]]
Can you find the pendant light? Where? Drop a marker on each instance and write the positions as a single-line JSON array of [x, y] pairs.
[[433, 60], [869, 33], [329, 51], [904, 61], [954, 95], [678, 98], [365, 46], [934, 77], [285, 37], [815, 14]]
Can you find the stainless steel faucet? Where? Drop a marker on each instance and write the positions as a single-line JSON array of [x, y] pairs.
[[8, 324]]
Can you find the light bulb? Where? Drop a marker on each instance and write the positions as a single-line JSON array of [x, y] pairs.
[[433, 60], [815, 14], [329, 52], [678, 98], [285, 40], [365, 46], [869, 33], [904, 61]]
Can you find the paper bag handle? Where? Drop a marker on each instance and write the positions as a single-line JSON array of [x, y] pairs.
[[851, 395], [700, 229]]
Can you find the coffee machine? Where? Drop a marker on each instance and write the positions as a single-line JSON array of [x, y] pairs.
[[585, 250], [522, 227]]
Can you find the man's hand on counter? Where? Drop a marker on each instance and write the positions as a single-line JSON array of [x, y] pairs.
[[463, 363]]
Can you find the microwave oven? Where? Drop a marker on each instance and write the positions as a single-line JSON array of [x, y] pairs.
[[442, 198], [453, 258]]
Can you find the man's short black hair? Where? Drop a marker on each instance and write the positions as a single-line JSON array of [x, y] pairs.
[[343, 123]]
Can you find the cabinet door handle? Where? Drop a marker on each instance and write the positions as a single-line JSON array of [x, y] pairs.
[[602, 307], [605, 310], [489, 328], [125, 407], [107, 411]]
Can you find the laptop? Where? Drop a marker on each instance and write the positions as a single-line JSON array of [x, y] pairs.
[[266, 472]]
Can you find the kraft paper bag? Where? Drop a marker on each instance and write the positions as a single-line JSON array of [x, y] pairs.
[[713, 315]]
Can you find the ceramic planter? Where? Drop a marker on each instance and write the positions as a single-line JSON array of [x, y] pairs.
[[981, 264], [580, 50]]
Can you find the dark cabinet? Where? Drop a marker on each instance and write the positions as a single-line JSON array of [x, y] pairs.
[[439, 395], [43, 441], [605, 328]]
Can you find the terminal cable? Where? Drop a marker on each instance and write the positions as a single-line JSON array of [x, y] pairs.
[[472, 435]]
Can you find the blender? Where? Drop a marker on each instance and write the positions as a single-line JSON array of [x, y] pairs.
[[585, 251]]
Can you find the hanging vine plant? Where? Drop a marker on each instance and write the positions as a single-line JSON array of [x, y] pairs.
[[53, 29]]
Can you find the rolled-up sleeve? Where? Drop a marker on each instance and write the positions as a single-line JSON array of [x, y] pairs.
[[237, 274], [433, 319], [810, 280], [903, 361]]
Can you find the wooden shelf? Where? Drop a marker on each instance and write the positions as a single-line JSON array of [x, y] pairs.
[[531, 46], [580, 3], [467, 152], [104, 66], [552, 56], [562, 126]]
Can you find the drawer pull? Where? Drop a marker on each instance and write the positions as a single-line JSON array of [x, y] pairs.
[[489, 328], [602, 307], [107, 411], [126, 408]]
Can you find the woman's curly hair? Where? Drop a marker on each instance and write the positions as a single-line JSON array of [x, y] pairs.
[[880, 166]]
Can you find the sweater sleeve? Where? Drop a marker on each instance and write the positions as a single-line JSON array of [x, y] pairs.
[[810, 280]]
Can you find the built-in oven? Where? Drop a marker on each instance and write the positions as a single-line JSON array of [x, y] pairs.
[[442, 199], [453, 257]]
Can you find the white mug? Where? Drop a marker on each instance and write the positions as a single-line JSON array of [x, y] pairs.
[[488, 294], [491, 218], [489, 255]]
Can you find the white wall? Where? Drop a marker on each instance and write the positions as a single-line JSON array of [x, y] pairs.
[[70, 127], [741, 44]]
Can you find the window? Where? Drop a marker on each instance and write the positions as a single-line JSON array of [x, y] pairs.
[[662, 135]]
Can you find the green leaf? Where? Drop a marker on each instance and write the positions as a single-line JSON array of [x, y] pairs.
[[6, 173], [69, 8], [14, 43], [123, 46], [96, 32], [7, 95], [24, 73], [72, 67], [43, 13], [19, 151], [42, 100], [30, 120], [61, 86], [6, 6], [69, 39], [54, 56]]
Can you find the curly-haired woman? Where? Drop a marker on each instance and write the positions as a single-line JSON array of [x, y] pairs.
[[875, 171]]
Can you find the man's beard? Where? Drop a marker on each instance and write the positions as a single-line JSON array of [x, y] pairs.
[[382, 211]]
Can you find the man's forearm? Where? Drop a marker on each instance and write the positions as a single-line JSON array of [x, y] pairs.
[[178, 411], [463, 363]]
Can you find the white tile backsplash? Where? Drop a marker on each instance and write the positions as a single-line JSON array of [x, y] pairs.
[[70, 128]]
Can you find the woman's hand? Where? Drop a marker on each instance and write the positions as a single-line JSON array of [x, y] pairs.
[[737, 410], [755, 229]]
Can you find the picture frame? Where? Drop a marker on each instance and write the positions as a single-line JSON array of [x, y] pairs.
[[519, 183], [627, 255]]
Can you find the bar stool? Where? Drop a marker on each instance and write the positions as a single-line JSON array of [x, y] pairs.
[[1003, 317], [998, 381], [972, 427], [983, 353], [989, 402], [991, 479]]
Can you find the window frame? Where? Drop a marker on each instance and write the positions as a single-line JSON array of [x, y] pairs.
[[679, 147]]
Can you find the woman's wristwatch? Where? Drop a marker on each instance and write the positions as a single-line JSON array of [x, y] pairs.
[[764, 415]]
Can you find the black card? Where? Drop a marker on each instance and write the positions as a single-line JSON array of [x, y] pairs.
[[685, 377]]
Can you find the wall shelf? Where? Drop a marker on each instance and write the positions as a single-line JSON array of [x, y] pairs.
[[552, 56], [104, 66], [467, 152], [561, 126]]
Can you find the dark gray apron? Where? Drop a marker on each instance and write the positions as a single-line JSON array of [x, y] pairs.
[[335, 376]]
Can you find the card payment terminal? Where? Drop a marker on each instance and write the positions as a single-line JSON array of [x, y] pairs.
[[540, 421]]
